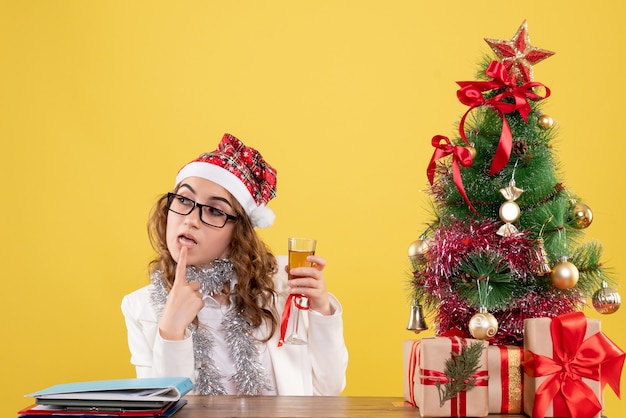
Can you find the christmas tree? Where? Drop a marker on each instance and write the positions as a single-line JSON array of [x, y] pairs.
[[506, 239]]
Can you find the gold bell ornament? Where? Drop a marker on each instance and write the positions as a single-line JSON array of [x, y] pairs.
[[542, 256], [417, 323], [606, 300]]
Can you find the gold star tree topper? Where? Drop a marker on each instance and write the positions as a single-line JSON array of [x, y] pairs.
[[517, 55]]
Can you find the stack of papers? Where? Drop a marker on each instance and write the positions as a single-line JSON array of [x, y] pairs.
[[143, 397]]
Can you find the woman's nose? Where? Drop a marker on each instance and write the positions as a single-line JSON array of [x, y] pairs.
[[194, 217]]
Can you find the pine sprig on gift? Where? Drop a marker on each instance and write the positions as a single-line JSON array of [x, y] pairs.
[[459, 370]]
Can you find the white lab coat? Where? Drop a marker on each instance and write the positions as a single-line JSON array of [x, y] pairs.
[[317, 368]]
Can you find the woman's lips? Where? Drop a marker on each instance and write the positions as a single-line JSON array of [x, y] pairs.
[[187, 241]]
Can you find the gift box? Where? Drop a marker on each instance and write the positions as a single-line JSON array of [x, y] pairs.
[[504, 364], [426, 381], [567, 363]]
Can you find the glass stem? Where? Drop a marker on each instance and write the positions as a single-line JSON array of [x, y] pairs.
[[296, 323]]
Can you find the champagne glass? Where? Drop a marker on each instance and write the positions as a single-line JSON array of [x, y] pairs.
[[299, 250]]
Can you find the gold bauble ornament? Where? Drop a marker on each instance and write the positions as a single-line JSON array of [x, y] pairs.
[[472, 151], [606, 300], [483, 325], [545, 122], [581, 216], [417, 250], [564, 275], [509, 212]]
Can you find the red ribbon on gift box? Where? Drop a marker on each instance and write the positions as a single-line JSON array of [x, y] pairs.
[[596, 358], [412, 368], [458, 406], [471, 94], [511, 379]]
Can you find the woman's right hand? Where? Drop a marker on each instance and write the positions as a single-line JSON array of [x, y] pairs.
[[184, 301]]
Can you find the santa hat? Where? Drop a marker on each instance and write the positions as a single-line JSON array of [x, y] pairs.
[[243, 172]]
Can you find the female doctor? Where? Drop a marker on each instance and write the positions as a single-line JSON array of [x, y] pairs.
[[212, 311]]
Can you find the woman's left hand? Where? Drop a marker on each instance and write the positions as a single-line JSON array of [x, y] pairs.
[[309, 282]]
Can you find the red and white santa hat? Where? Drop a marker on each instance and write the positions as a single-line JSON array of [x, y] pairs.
[[243, 172]]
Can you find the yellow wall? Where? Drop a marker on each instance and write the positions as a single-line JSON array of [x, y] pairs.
[[102, 101]]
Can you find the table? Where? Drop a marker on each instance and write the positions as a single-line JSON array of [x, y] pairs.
[[300, 406]]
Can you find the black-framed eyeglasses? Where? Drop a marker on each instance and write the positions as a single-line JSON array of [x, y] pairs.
[[208, 214]]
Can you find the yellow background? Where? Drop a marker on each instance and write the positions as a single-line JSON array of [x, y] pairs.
[[101, 102]]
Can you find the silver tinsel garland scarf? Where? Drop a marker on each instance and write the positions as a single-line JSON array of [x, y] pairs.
[[250, 376]]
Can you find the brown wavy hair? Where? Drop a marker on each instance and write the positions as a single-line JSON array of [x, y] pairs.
[[254, 264]]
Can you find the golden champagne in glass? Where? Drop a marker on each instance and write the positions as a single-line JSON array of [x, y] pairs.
[[299, 250]]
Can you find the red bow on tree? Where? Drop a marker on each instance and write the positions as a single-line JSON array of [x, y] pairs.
[[596, 358], [460, 155], [471, 94]]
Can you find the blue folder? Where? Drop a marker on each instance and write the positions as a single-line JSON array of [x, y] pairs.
[[138, 392]]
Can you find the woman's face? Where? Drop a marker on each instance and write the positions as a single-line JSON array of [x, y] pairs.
[[205, 242]]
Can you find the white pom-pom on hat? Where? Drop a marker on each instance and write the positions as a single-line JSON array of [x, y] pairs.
[[262, 216]]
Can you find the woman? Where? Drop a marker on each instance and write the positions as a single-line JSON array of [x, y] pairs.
[[212, 309]]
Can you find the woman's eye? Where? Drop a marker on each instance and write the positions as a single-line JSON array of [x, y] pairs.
[[184, 201], [210, 210]]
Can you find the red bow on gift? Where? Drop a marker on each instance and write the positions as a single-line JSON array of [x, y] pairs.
[[460, 155], [471, 94], [596, 358]]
